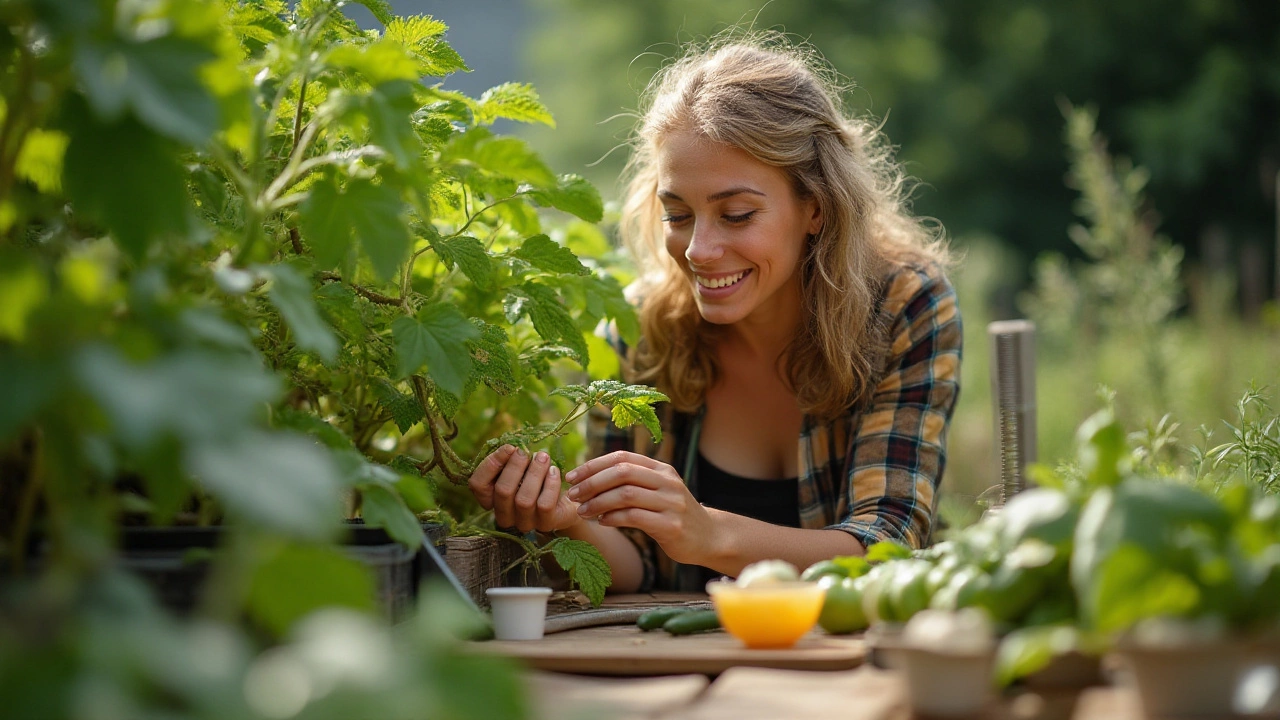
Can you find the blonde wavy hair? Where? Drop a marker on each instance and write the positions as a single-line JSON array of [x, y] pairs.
[[780, 104]]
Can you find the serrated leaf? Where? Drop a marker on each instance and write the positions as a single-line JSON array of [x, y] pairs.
[[390, 108], [421, 35], [469, 254], [587, 568], [572, 194], [626, 414], [382, 508], [404, 409], [546, 254], [369, 212], [552, 321], [513, 101], [494, 361], [378, 62], [291, 294], [575, 393], [381, 9], [512, 158], [616, 307], [437, 337]]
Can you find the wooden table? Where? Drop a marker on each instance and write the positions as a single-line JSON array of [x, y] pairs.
[[712, 677]]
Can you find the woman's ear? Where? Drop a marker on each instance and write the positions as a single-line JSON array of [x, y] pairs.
[[815, 217]]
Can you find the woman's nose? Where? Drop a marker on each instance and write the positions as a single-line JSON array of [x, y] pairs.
[[704, 247]]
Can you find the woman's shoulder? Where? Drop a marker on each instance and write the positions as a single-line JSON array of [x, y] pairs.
[[914, 287]]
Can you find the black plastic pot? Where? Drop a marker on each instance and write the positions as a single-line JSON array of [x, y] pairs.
[[175, 562]]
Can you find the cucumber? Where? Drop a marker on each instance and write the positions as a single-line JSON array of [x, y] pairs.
[[655, 619], [692, 622]]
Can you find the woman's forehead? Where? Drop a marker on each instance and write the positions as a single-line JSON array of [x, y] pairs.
[[692, 167]]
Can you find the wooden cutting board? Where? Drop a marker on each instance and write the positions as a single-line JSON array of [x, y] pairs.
[[625, 650]]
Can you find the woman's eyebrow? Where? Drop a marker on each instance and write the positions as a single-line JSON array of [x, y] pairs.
[[668, 195]]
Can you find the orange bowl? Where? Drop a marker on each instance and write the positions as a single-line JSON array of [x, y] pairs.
[[767, 616]]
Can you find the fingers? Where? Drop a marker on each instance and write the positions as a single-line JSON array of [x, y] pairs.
[[526, 501], [550, 495], [623, 473], [645, 520], [481, 480], [504, 490], [596, 465], [626, 496]]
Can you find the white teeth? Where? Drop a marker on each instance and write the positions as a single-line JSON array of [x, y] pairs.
[[720, 282]]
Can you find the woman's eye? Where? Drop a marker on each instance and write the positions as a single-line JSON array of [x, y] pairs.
[[674, 218], [738, 219]]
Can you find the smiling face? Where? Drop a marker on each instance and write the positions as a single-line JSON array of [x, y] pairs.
[[736, 227]]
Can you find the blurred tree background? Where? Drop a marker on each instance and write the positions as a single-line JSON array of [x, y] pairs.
[[1160, 292]]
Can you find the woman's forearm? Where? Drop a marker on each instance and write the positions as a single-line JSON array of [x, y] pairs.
[[621, 553], [741, 541]]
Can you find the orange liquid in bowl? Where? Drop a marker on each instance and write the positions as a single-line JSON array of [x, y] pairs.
[[767, 616]]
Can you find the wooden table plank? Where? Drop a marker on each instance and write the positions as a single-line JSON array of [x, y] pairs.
[[748, 693], [557, 697], [625, 650]]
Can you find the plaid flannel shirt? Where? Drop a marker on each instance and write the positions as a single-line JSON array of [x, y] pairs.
[[873, 472]]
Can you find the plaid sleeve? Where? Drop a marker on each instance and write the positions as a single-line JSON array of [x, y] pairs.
[[898, 448]]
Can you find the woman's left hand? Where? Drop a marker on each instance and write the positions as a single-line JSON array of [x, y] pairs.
[[626, 489]]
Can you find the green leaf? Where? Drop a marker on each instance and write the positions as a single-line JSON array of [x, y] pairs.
[[288, 418], [422, 35], [1131, 586], [390, 109], [218, 395], [552, 321], [23, 288], [404, 409], [1029, 650], [587, 568], [616, 306], [374, 212], [885, 551], [382, 508], [27, 386], [297, 580], [381, 9], [469, 254], [572, 194], [505, 156], [416, 492], [371, 212], [40, 159], [378, 62], [291, 294], [286, 484], [159, 80], [125, 177], [513, 101], [546, 254], [627, 413], [437, 337], [494, 363]]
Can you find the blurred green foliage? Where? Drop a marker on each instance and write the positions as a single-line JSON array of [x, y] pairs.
[[970, 89]]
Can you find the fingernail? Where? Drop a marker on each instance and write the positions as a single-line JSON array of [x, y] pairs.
[[573, 493], [542, 457], [555, 471], [506, 449], [572, 474], [584, 510], [521, 452]]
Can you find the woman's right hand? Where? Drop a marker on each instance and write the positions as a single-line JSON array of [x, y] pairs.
[[522, 492]]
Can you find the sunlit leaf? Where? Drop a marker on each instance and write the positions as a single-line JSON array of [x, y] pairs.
[[587, 568], [546, 254], [382, 508], [572, 194], [513, 101]]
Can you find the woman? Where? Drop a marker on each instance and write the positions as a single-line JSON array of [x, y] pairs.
[[799, 320]]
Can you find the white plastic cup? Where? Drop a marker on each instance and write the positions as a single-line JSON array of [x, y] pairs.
[[518, 612]]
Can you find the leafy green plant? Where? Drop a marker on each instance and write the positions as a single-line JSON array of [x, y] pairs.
[[1253, 452], [251, 269]]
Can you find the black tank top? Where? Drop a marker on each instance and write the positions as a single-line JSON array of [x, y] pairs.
[[772, 501]]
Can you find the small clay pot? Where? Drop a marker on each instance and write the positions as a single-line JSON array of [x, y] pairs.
[[1187, 680], [519, 613]]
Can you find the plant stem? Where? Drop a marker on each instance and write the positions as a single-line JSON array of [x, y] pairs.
[[27, 506], [364, 292]]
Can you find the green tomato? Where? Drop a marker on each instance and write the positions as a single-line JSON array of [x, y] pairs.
[[965, 588], [842, 611], [873, 584], [822, 568], [909, 592]]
